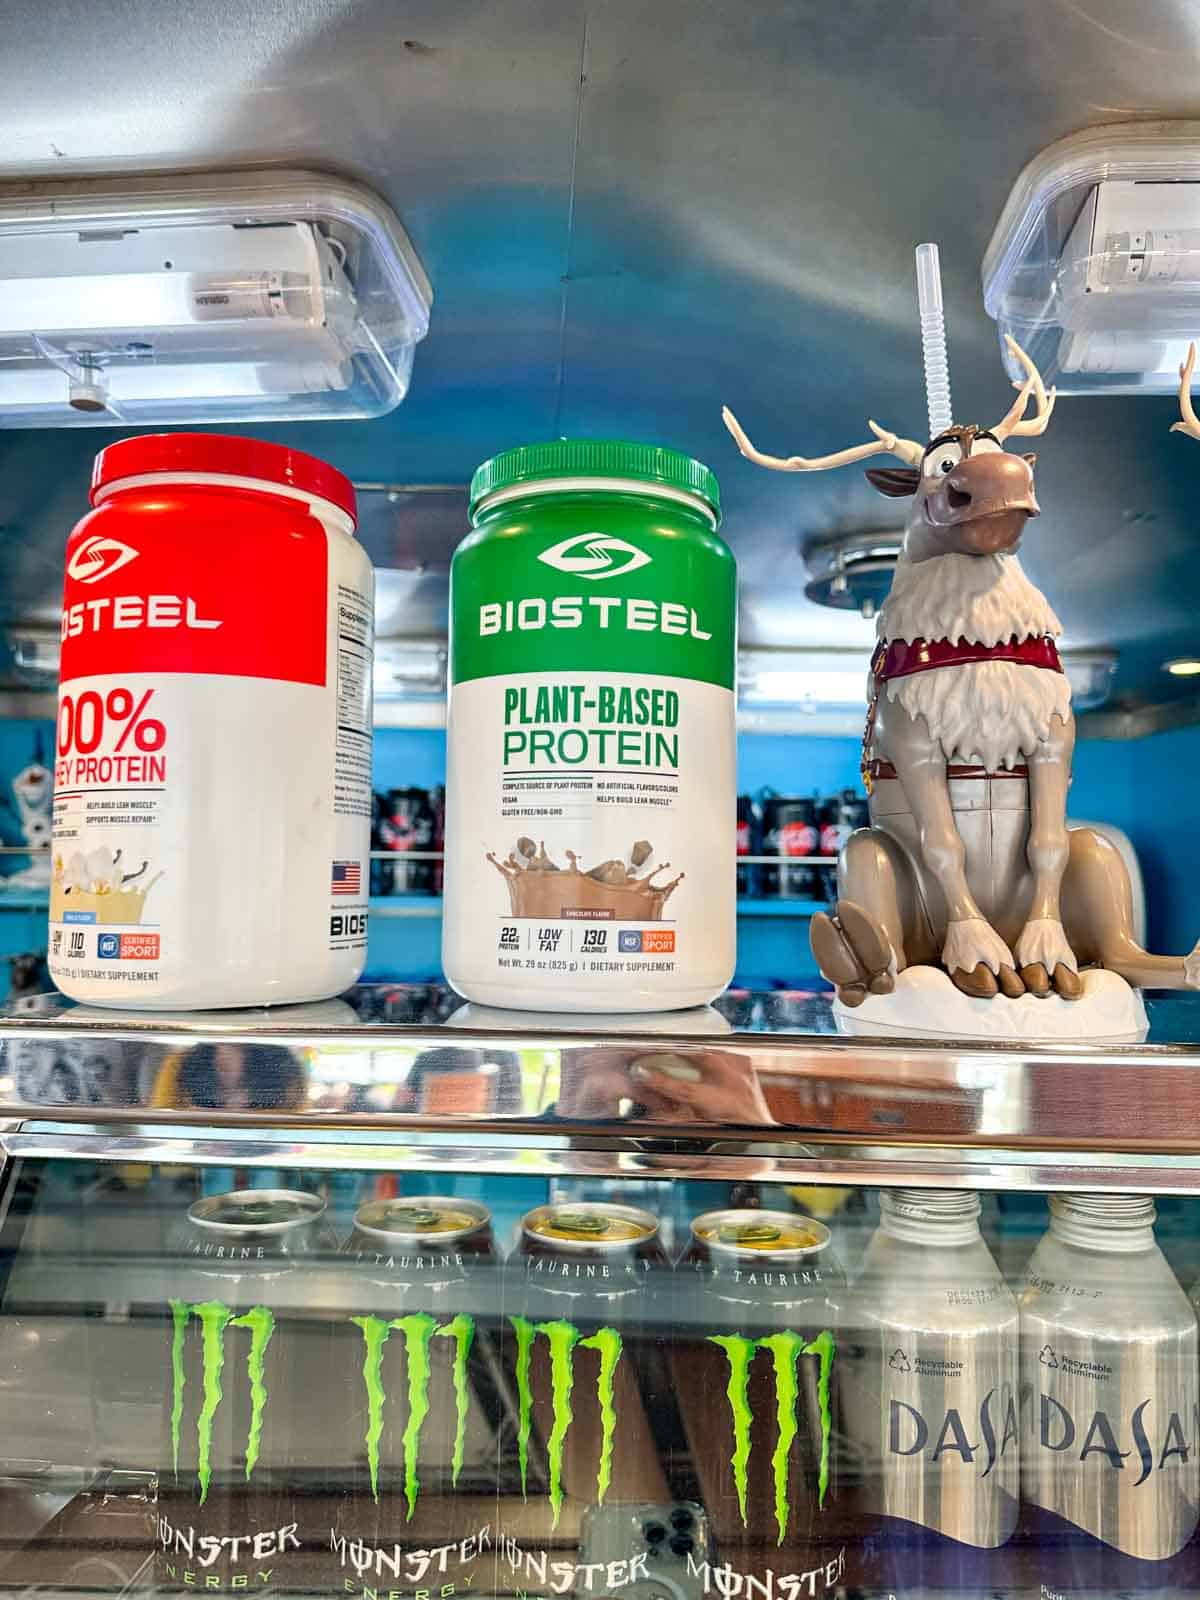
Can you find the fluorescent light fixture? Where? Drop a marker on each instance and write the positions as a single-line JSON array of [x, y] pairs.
[[243, 297], [1090, 674], [1183, 667], [1094, 266], [809, 680], [409, 669]]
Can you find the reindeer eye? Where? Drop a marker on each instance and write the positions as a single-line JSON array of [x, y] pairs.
[[943, 460]]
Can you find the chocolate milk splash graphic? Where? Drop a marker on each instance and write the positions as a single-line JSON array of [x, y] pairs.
[[609, 892]]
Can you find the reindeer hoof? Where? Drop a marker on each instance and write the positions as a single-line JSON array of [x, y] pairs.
[[868, 941], [1010, 983], [835, 958], [980, 984], [1069, 984], [853, 952], [1037, 979]]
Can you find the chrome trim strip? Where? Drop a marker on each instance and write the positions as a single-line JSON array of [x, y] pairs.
[[615, 1086], [848, 1166]]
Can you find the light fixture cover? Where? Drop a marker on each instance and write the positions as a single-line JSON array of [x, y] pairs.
[[228, 298], [1094, 266]]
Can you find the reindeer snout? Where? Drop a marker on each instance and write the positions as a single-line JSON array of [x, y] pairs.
[[984, 502]]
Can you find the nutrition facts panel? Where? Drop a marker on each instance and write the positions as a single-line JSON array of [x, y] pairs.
[[354, 661]]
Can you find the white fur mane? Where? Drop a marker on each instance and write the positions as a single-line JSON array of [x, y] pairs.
[[983, 599], [994, 713]]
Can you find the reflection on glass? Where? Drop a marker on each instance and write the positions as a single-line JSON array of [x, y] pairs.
[[344, 1386]]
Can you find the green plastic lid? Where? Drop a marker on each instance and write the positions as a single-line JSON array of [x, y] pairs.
[[651, 464]]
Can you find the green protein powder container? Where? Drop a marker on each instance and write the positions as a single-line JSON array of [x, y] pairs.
[[591, 788]]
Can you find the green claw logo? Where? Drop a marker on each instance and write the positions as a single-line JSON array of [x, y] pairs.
[[418, 1329], [785, 1350], [562, 1339], [214, 1318]]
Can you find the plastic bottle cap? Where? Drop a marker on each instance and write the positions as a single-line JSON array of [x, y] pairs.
[[651, 464], [226, 455]]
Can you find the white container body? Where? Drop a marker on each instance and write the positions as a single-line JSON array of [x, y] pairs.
[[212, 827]]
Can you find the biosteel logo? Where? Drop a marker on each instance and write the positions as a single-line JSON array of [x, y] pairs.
[[594, 556], [785, 1350], [99, 557]]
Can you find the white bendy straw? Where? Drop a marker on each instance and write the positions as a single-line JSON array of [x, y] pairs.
[[933, 339]]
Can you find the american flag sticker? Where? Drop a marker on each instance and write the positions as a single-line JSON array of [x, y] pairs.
[[347, 877]]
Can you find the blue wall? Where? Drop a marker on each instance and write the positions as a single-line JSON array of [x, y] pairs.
[[1143, 786]]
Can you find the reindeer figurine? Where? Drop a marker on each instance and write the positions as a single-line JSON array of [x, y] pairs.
[[968, 861]]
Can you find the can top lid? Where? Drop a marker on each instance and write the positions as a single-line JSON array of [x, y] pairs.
[[768, 1233], [654, 465], [226, 455], [256, 1210], [598, 1224], [432, 1217]]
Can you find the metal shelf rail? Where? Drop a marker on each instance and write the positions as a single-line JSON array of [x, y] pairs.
[[760, 1087]]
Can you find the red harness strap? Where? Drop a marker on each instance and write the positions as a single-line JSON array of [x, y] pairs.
[[901, 658]]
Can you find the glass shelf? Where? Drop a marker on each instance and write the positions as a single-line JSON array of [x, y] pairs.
[[760, 1082]]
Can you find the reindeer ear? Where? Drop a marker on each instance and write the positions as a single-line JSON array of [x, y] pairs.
[[1030, 456], [894, 481]]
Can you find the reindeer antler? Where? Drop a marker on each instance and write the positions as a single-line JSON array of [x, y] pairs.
[[886, 444], [1016, 422], [1190, 422]]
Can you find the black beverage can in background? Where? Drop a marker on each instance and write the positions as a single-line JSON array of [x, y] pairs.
[[790, 830], [748, 842], [408, 826]]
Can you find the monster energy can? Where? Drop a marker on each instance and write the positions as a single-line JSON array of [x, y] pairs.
[[930, 1396], [229, 1514], [414, 1341], [756, 1315], [587, 1290], [1109, 1463]]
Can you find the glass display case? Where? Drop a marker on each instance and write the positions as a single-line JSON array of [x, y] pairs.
[[391, 1297]]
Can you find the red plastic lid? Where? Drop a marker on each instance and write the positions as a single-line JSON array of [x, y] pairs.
[[181, 454]]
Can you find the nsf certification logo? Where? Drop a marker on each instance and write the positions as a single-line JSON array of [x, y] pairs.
[[108, 947]]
